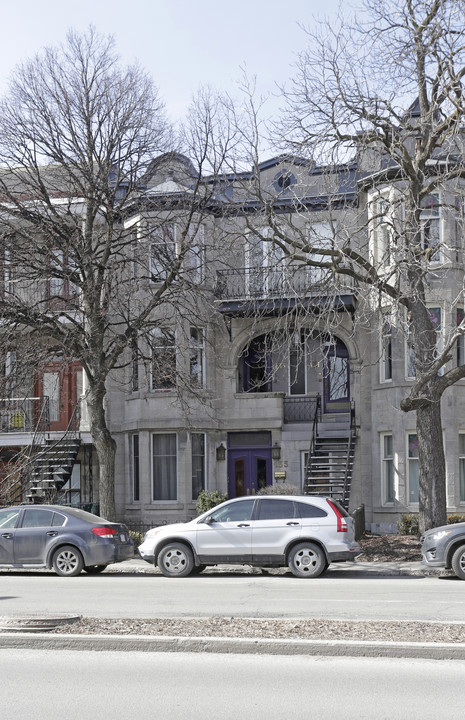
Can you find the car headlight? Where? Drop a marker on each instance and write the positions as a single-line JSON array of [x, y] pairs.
[[439, 535], [151, 533]]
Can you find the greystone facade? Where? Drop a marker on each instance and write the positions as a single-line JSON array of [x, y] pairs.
[[248, 425]]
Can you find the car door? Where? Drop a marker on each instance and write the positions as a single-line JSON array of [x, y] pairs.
[[8, 520], [275, 525], [225, 535], [34, 535]]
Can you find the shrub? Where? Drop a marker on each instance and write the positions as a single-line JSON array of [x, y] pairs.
[[281, 489], [455, 518], [137, 538], [409, 524], [208, 500]]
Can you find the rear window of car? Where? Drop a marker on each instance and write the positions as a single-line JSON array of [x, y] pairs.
[[275, 509], [307, 510]]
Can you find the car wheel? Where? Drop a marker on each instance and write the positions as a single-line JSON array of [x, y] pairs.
[[458, 562], [67, 561], [95, 569], [307, 560], [175, 560]]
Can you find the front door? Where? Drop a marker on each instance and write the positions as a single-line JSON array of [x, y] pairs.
[[249, 470], [336, 378]]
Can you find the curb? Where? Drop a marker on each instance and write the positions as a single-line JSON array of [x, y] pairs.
[[325, 648]]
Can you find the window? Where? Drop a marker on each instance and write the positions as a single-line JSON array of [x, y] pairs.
[[430, 226], [196, 254], [275, 509], [381, 225], [51, 389], [198, 463], [57, 283], [163, 359], [234, 512], [164, 467], [413, 470], [163, 251], [9, 374], [197, 356], [135, 468], [462, 466], [8, 517], [134, 366], [265, 264], [305, 510], [319, 236], [387, 470], [297, 366], [256, 364], [386, 349], [460, 340], [37, 517]]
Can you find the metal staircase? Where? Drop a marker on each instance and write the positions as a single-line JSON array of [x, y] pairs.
[[331, 460], [45, 465]]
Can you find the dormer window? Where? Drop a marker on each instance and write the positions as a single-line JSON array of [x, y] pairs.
[[284, 180]]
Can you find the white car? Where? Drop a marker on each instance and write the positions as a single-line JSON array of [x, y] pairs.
[[302, 532]]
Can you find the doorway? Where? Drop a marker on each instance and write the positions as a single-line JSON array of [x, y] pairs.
[[249, 463], [336, 378]]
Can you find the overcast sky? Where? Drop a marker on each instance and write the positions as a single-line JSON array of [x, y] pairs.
[[183, 43]]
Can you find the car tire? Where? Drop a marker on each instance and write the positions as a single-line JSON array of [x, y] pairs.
[[307, 560], [458, 562], [95, 569], [175, 560], [67, 561]]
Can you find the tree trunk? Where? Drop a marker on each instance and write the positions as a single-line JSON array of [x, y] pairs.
[[105, 447], [432, 475]]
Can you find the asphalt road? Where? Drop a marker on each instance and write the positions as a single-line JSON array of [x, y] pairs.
[[176, 686], [338, 594]]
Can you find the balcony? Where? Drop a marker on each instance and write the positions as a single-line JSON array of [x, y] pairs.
[[277, 290], [304, 409], [21, 415]]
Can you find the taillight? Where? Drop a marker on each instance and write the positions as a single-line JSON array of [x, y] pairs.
[[104, 531], [341, 521]]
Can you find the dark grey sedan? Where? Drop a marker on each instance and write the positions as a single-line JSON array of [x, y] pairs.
[[445, 547], [66, 539]]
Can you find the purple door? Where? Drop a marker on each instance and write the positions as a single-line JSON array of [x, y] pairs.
[[249, 470]]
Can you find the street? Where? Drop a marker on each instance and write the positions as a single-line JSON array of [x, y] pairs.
[[338, 595], [177, 686]]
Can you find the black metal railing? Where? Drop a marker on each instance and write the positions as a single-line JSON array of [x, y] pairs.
[[277, 281], [302, 409]]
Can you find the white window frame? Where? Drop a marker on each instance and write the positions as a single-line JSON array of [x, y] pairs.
[[428, 216], [380, 212], [197, 350], [135, 467], [152, 466], [410, 463], [196, 255], [162, 348], [388, 471], [163, 236], [385, 342], [204, 464], [321, 235], [266, 269]]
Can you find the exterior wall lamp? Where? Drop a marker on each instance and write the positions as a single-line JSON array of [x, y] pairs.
[[220, 453], [276, 452]]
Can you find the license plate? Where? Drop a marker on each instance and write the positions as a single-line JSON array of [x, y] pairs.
[[122, 537]]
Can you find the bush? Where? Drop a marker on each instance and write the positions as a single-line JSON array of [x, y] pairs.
[[208, 500], [455, 518], [409, 524], [136, 537], [281, 489]]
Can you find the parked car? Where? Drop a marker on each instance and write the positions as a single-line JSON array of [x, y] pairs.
[[445, 547], [66, 539], [304, 533]]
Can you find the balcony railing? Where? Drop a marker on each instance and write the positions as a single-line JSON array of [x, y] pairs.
[[22, 414], [269, 282], [302, 409]]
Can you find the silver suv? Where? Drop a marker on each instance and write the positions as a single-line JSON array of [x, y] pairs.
[[304, 533]]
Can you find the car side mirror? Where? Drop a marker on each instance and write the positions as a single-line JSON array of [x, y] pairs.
[[209, 520]]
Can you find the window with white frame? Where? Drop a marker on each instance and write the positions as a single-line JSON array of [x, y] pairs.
[[163, 251], [319, 236], [197, 355], [460, 339], [413, 469], [387, 470], [386, 348], [198, 463], [164, 467], [381, 229], [462, 467], [430, 221], [163, 376], [266, 266], [56, 283], [196, 253], [134, 349], [135, 468]]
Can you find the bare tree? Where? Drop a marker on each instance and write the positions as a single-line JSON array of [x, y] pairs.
[[384, 93], [87, 240]]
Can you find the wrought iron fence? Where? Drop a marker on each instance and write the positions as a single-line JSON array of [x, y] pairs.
[[301, 409]]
